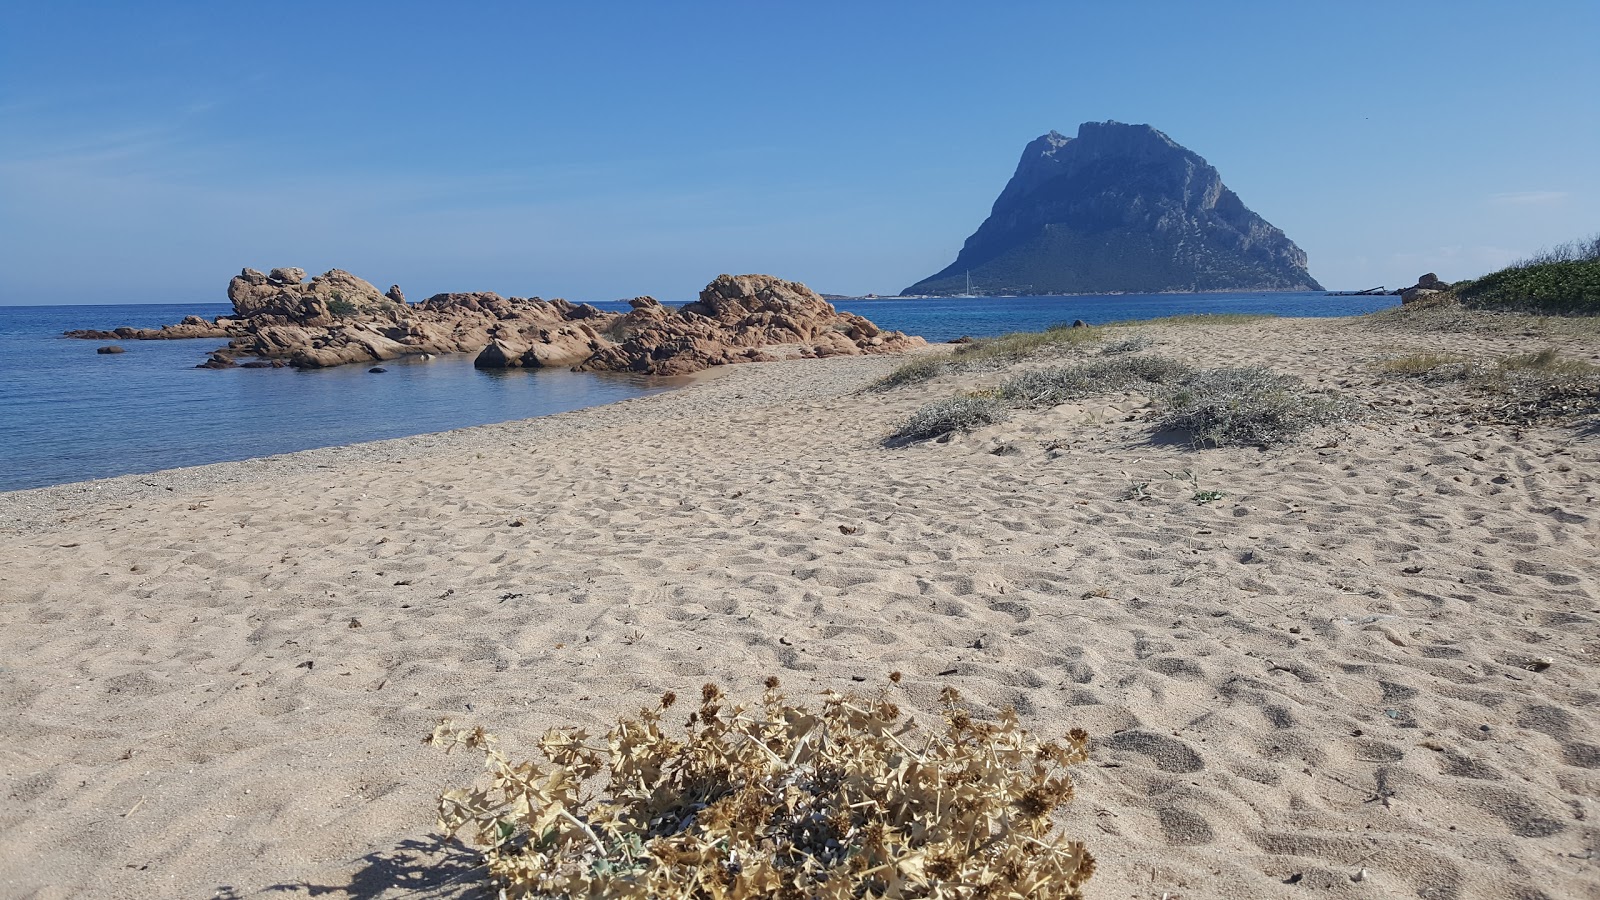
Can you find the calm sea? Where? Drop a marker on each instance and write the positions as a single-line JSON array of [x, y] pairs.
[[68, 414]]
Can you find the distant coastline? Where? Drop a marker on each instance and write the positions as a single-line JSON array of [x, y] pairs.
[[1003, 296]]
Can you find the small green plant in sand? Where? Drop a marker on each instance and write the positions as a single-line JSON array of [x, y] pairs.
[[775, 800], [1200, 495], [1247, 406], [955, 415]]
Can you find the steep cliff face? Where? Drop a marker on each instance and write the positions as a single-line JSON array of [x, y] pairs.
[[1120, 208]]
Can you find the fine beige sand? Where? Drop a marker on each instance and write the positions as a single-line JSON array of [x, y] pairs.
[[1371, 670]]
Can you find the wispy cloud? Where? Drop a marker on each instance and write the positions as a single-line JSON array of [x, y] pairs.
[[1528, 198]]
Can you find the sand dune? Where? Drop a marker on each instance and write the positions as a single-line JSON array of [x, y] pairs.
[[1369, 670]]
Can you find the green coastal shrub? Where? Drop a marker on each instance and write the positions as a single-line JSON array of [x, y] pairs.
[[957, 414], [340, 305], [1248, 406], [1564, 280]]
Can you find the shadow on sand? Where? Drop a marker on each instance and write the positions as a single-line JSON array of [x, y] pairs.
[[434, 867]]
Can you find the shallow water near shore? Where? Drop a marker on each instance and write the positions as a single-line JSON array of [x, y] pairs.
[[69, 414]]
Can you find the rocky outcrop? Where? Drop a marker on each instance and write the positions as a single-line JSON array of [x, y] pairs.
[[1427, 286], [738, 318], [328, 298], [1119, 208], [190, 327], [338, 319]]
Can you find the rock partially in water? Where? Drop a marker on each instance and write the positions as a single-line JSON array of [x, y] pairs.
[[338, 319], [110, 348], [738, 318]]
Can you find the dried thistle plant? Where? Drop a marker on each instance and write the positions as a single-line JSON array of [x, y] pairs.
[[774, 800]]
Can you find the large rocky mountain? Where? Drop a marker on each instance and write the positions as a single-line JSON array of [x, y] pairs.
[[1119, 208]]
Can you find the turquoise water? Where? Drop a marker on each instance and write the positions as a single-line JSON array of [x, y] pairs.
[[68, 414]]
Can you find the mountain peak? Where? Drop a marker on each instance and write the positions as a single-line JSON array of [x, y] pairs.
[[1120, 208]]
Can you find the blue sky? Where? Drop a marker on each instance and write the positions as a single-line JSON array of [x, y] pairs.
[[601, 150]]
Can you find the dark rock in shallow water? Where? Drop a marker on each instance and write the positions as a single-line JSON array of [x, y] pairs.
[[377, 370], [1119, 208], [112, 348]]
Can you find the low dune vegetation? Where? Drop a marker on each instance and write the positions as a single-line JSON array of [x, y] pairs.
[[1564, 280], [1555, 292], [1218, 407], [1518, 388], [989, 354]]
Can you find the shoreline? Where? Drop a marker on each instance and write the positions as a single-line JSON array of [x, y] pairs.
[[21, 509], [1373, 655]]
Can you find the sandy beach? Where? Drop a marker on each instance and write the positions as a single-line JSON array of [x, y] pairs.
[[1370, 669]]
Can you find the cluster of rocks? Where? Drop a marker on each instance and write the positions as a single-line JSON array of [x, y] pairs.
[[336, 318], [1426, 286]]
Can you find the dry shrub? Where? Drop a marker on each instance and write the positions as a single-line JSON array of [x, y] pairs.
[[1519, 389], [775, 800], [1548, 361], [914, 370], [1051, 387], [1425, 364], [1252, 406], [1542, 386], [989, 354], [956, 414], [1133, 343]]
